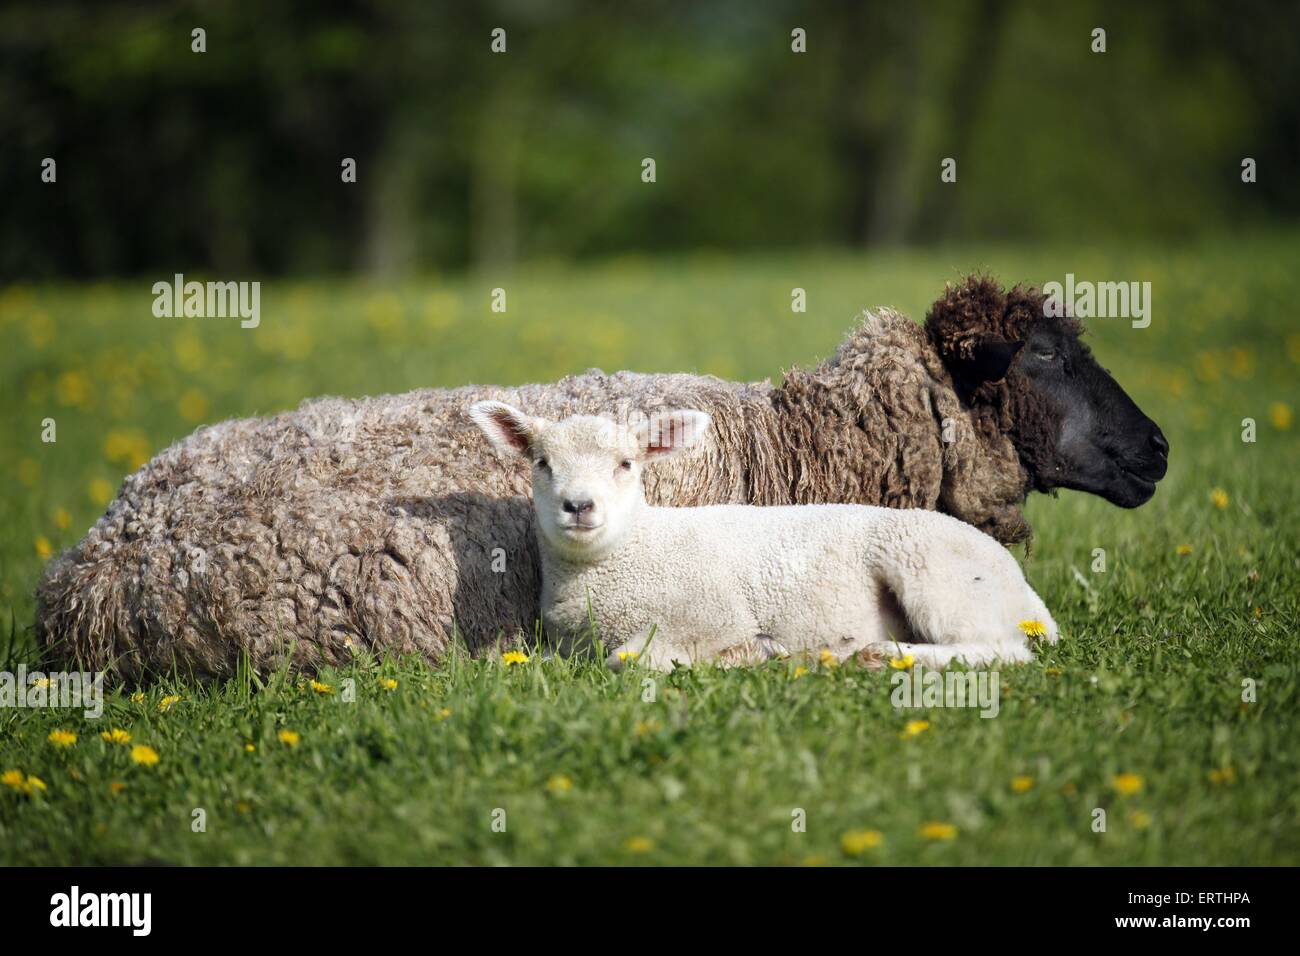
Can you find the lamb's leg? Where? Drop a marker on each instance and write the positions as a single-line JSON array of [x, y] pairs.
[[968, 600], [662, 652], [941, 655], [750, 652]]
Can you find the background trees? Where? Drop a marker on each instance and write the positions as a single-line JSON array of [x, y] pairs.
[[230, 159]]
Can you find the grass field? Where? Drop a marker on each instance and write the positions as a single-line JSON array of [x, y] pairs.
[[1139, 711]]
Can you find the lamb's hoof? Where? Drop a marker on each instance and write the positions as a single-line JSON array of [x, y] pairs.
[[872, 658]]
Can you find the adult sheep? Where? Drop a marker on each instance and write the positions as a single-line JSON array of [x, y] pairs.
[[385, 523]]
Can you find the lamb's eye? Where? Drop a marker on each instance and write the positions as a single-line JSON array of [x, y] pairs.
[[1047, 355], [543, 464], [626, 464]]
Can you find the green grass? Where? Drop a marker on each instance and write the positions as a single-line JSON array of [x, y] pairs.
[[1147, 679]]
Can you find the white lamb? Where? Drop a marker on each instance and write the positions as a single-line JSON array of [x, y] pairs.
[[744, 584]]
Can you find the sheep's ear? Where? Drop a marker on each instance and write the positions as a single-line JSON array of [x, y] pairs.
[[668, 433], [506, 427], [972, 329], [988, 361]]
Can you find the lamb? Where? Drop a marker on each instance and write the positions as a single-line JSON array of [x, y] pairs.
[[387, 524], [741, 584]]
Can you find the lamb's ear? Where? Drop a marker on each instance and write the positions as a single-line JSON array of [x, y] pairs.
[[506, 427], [668, 433]]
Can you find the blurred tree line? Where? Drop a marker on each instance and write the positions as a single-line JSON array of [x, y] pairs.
[[230, 160]]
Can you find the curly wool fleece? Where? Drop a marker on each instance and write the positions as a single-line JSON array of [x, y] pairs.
[[387, 523]]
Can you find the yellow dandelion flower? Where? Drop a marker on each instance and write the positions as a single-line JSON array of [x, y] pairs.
[[385, 312], [33, 784], [1219, 498], [1207, 366], [122, 446], [1279, 413], [193, 406], [1242, 362], [638, 844], [320, 688], [72, 388], [442, 714], [12, 778], [1223, 775], [857, 842], [1022, 784], [43, 547], [1052, 672], [800, 671], [189, 352], [166, 703], [914, 727], [28, 471], [1033, 628], [144, 755], [511, 658], [289, 738], [250, 747], [137, 697], [560, 783], [100, 491], [628, 655], [115, 736], [902, 663], [62, 519], [388, 683], [1140, 819], [1183, 550], [116, 787], [1126, 784], [62, 738], [938, 831], [826, 658]]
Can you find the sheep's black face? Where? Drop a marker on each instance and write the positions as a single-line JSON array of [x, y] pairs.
[[1074, 427]]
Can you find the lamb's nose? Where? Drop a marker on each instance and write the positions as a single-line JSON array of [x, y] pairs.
[[578, 507], [1159, 443]]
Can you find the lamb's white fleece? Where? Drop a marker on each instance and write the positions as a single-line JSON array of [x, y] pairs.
[[741, 584]]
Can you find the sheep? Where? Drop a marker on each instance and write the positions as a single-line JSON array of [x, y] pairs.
[[387, 524], [743, 584]]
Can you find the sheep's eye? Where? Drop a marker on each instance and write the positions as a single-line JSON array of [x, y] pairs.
[[1047, 354], [626, 464], [543, 464]]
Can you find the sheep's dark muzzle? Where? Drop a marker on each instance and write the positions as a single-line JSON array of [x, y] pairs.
[[1138, 471]]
